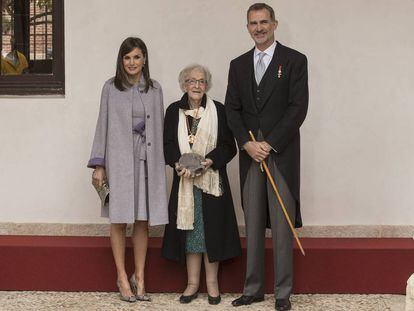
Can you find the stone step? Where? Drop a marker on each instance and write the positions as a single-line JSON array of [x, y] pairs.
[[331, 266]]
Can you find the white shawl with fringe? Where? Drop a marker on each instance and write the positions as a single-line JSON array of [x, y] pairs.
[[205, 141]]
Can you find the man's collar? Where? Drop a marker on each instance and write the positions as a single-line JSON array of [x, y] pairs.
[[269, 51]]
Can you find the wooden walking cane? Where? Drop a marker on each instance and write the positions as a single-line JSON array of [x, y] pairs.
[[280, 200]]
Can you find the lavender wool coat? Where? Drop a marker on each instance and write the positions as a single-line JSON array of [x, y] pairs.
[[113, 148]]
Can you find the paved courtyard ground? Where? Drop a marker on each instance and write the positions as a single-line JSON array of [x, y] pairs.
[[109, 301]]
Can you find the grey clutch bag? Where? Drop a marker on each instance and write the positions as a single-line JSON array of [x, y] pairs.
[[103, 192], [192, 162]]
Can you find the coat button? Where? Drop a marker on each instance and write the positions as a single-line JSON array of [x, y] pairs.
[[148, 116], [149, 144]]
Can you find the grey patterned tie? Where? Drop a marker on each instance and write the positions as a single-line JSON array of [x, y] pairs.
[[260, 68]]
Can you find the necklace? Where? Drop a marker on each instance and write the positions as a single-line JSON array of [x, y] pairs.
[[191, 136]]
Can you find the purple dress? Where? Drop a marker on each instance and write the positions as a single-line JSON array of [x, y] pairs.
[[140, 157]]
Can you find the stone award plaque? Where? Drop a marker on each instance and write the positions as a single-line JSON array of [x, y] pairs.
[[192, 162]]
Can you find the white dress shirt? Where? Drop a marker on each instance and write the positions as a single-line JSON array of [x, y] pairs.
[[267, 58]]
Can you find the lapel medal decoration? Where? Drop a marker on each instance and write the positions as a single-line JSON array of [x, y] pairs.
[[279, 72]]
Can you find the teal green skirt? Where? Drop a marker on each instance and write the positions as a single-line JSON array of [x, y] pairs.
[[195, 241]]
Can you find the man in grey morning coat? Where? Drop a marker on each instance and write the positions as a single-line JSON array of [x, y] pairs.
[[267, 93]]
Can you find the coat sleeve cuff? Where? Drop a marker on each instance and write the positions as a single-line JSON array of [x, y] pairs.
[[213, 157], [94, 162]]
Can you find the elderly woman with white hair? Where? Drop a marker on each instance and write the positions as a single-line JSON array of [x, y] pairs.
[[202, 222]]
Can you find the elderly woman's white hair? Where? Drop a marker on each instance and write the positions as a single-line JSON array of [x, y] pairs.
[[183, 76]]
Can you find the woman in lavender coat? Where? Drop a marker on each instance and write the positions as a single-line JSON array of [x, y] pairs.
[[128, 151]]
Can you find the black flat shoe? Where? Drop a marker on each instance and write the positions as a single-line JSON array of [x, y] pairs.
[[214, 300], [188, 299], [283, 304], [246, 300]]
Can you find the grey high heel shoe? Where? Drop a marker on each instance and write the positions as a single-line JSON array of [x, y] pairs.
[[134, 287], [125, 298]]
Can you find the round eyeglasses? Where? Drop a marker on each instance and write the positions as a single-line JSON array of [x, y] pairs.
[[194, 82]]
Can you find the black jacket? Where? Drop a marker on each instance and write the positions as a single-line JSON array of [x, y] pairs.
[[220, 225], [284, 106]]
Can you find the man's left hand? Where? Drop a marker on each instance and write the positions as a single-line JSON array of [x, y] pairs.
[[265, 146]]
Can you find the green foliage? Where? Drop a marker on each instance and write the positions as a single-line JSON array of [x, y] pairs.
[[44, 4]]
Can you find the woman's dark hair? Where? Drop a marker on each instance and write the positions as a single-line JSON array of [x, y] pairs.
[[121, 77]]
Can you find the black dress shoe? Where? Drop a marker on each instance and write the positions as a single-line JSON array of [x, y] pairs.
[[188, 299], [282, 304], [246, 300], [214, 300]]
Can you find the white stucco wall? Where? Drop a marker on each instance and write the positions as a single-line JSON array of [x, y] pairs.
[[357, 142]]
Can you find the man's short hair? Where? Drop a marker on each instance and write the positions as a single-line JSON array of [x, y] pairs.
[[261, 6]]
